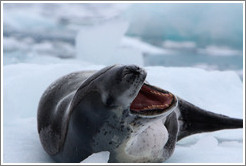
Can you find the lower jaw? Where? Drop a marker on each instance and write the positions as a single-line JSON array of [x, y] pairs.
[[153, 115]]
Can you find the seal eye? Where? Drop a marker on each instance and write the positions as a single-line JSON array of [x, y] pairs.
[[152, 101], [110, 101]]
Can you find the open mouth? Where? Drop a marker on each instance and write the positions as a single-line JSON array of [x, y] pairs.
[[152, 101]]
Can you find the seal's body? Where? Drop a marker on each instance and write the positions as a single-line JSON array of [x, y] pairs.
[[115, 110]]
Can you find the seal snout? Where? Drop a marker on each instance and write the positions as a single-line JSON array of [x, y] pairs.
[[134, 70]]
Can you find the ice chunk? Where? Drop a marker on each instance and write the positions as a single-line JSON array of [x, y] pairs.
[[219, 51], [179, 45], [100, 157], [101, 45], [219, 24], [142, 46]]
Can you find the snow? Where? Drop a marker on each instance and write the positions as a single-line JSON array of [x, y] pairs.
[[207, 89], [100, 157], [208, 150]]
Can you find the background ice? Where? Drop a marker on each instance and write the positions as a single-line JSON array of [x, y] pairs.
[[216, 24], [192, 31], [109, 41], [101, 45], [42, 42]]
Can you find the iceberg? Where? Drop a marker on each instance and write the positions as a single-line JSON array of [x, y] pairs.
[[218, 24], [101, 45]]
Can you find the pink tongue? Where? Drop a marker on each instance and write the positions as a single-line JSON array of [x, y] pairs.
[[149, 99]]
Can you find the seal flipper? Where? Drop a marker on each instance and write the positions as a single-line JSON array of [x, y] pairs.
[[171, 124], [196, 120]]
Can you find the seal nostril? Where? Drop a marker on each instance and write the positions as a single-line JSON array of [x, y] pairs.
[[134, 69]]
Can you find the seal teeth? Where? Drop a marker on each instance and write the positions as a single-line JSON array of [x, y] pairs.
[[160, 94], [155, 106], [154, 92]]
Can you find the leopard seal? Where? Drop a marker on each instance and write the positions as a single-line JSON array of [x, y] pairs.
[[116, 110]]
